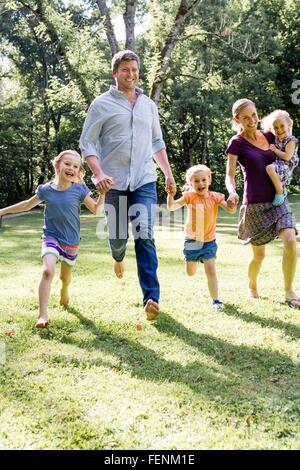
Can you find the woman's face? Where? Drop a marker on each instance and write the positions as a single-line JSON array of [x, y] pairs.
[[248, 119]]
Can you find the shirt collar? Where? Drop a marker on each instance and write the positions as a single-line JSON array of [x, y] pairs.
[[119, 94], [198, 196]]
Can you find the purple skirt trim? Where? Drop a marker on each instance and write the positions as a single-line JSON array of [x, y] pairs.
[[51, 245], [66, 253]]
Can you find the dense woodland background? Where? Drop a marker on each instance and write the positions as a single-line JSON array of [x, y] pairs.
[[198, 57]]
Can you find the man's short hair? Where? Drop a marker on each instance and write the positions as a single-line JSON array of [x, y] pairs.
[[124, 55]]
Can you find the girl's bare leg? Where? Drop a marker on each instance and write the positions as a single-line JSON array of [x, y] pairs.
[[191, 268], [65, 277], [254, 268], [49, 262], [270, 169], [211, 274]]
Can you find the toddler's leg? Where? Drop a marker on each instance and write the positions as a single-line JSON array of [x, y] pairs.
[[49, 262], [211, 274], [65, 277], [280, 190], [191, 268], [270, 169]]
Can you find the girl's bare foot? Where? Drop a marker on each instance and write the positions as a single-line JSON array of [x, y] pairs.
[[152, 310], [119, 269], [252, 293], [64, 297]]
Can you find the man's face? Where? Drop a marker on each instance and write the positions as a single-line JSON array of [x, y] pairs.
[[126, 75]]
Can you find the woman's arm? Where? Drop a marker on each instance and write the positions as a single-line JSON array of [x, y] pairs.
[[233, 197], [95, 207], [173, 205], [288, 152], [23, 206]]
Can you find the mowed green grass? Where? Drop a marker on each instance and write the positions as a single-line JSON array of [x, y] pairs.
[[102, 377]]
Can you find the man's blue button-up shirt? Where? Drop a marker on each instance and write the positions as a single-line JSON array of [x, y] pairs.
[[124, 137]]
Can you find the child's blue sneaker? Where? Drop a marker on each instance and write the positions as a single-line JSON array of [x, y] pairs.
[[279, 198], [217, 304]]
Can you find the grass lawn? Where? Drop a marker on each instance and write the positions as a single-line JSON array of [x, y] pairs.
[[102, 377]]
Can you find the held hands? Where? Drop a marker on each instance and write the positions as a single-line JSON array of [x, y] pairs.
[[103, 182], [170, 186], [232, 200]]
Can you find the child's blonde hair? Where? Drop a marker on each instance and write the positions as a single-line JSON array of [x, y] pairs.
[[59, 157], [237, 108], [268, 121], [192, 171]]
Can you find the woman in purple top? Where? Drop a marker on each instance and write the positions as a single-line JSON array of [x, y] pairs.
[[260, 221]]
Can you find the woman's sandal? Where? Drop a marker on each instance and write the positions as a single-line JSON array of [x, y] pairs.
[[294, 303]]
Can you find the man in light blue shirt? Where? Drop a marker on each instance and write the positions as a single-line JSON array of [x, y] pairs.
[[120, 137]]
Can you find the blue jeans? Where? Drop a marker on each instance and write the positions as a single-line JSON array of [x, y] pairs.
[[139, 207]]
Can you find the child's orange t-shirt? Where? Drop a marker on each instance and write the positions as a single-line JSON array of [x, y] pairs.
[[202, 215]]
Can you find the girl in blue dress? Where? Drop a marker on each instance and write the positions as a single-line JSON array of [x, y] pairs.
[[61, 232]]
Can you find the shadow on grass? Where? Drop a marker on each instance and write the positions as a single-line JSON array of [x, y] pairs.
[[243, 373], [292, 330]]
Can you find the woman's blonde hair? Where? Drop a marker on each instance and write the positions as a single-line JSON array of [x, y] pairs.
[[192, 171], [59, 157], [268, 121], [237, 108]]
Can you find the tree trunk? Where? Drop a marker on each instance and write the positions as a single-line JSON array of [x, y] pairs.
[[129, 17], [109, 29], [44, 161], [204, 148], [56, 123], [184, 10]]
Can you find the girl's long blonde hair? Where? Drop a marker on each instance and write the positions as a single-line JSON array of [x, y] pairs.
[[59, 157], [268, 121], [193, 170]]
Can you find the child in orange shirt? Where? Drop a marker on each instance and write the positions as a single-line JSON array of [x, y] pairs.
[[200, 227]]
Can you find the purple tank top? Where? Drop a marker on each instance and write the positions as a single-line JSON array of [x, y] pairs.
[[258, 187]]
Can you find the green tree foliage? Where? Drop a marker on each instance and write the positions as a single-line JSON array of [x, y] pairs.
[[49, 104], [198, 57], [227, 51]]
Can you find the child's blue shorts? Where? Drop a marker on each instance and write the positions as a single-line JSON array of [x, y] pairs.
[[194, 250]]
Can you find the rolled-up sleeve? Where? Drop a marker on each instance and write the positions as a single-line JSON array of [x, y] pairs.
[[157, 139], [40, 192], [91, 131]]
